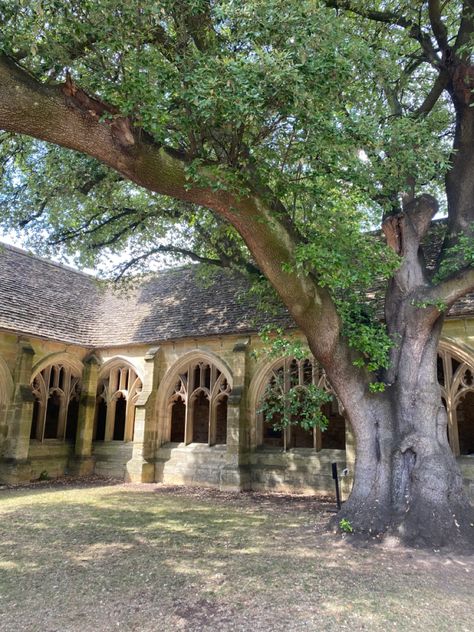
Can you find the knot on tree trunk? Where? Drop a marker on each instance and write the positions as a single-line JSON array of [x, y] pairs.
[[408, 228], [99, 111]]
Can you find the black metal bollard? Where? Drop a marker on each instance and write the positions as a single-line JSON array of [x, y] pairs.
[[336, 482]]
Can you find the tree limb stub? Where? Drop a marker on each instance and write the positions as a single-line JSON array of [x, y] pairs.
[[120, 125], [451, 289], [415, 218], [404, 233]]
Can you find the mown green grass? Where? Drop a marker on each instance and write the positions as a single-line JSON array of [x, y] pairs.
[[146, 558]]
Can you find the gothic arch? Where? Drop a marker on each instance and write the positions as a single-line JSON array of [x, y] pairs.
[[117, 362], [307, 371], [197, 395], [56, 385], [456, 378], [62, 358], [120, 383]]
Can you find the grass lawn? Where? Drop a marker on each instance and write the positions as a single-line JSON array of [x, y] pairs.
[[127, 557]]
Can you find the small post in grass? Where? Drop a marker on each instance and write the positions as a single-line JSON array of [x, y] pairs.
[[336, 482]]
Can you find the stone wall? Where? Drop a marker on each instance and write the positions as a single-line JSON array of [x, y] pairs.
[[239, 464]]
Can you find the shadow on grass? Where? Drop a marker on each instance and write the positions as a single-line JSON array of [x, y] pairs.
[[183, 554]]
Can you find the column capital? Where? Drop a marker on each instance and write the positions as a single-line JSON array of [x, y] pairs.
[[241, 346], [26, 348], [151, 353], [92, 359]]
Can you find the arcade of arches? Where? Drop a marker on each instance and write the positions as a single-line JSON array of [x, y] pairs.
[[186, 414]]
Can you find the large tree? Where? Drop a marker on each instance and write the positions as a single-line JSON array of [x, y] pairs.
[[273, 136]]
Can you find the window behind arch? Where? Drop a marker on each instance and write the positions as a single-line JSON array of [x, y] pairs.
[[55, 411], [117, 395], [456, 379], [294, 373], [197, 405]]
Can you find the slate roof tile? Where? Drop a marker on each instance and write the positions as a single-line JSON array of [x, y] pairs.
[[46, 299]]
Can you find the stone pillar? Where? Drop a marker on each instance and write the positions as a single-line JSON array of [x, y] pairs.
[[346, 481], [15, 467], [234, 475], [82, 464], [141, 467]]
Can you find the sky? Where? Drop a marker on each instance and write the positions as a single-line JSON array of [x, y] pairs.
[[12, 239]]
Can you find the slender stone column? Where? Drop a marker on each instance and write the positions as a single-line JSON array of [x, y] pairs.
[[82, 464], [15, 467], [234, 475], [141, 467]]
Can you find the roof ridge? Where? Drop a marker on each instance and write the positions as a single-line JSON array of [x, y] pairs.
[[32, 255], [148, 275]]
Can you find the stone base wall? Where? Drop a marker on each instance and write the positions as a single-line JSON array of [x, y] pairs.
[[50, 458], [297, 471], [111, 458], [194, 464]]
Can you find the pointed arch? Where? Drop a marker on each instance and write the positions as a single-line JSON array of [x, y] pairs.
[[287, 373], [197, 377], [64, 359], [120, 384], [456, 378], [117, 362], [56, 385]]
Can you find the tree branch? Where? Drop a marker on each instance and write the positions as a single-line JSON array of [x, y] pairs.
[[466, 28], [441, 82], [450, 290], [439, 29], [386, 17], [49, 113], [394, 18], [162, 249]]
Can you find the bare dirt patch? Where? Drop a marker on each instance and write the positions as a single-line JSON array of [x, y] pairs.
[[96, 556]]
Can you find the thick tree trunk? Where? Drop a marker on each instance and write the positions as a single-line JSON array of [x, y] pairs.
[[407, 481]]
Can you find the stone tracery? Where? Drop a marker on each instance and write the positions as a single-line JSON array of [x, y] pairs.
[[456, 378], [198, 405], [291, 372], [56, 390], [118, 392]]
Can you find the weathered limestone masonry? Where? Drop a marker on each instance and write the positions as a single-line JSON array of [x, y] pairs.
[[165, 382]]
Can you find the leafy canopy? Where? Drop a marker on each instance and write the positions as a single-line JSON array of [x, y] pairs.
[[286, 96]]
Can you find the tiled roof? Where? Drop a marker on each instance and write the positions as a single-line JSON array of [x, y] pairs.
[[41, 298], [45, 299]]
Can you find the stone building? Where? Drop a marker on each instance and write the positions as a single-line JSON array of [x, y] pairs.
[[161, 382]]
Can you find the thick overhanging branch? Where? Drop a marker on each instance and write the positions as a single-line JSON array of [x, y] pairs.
[[58, 115], [446, 293]]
